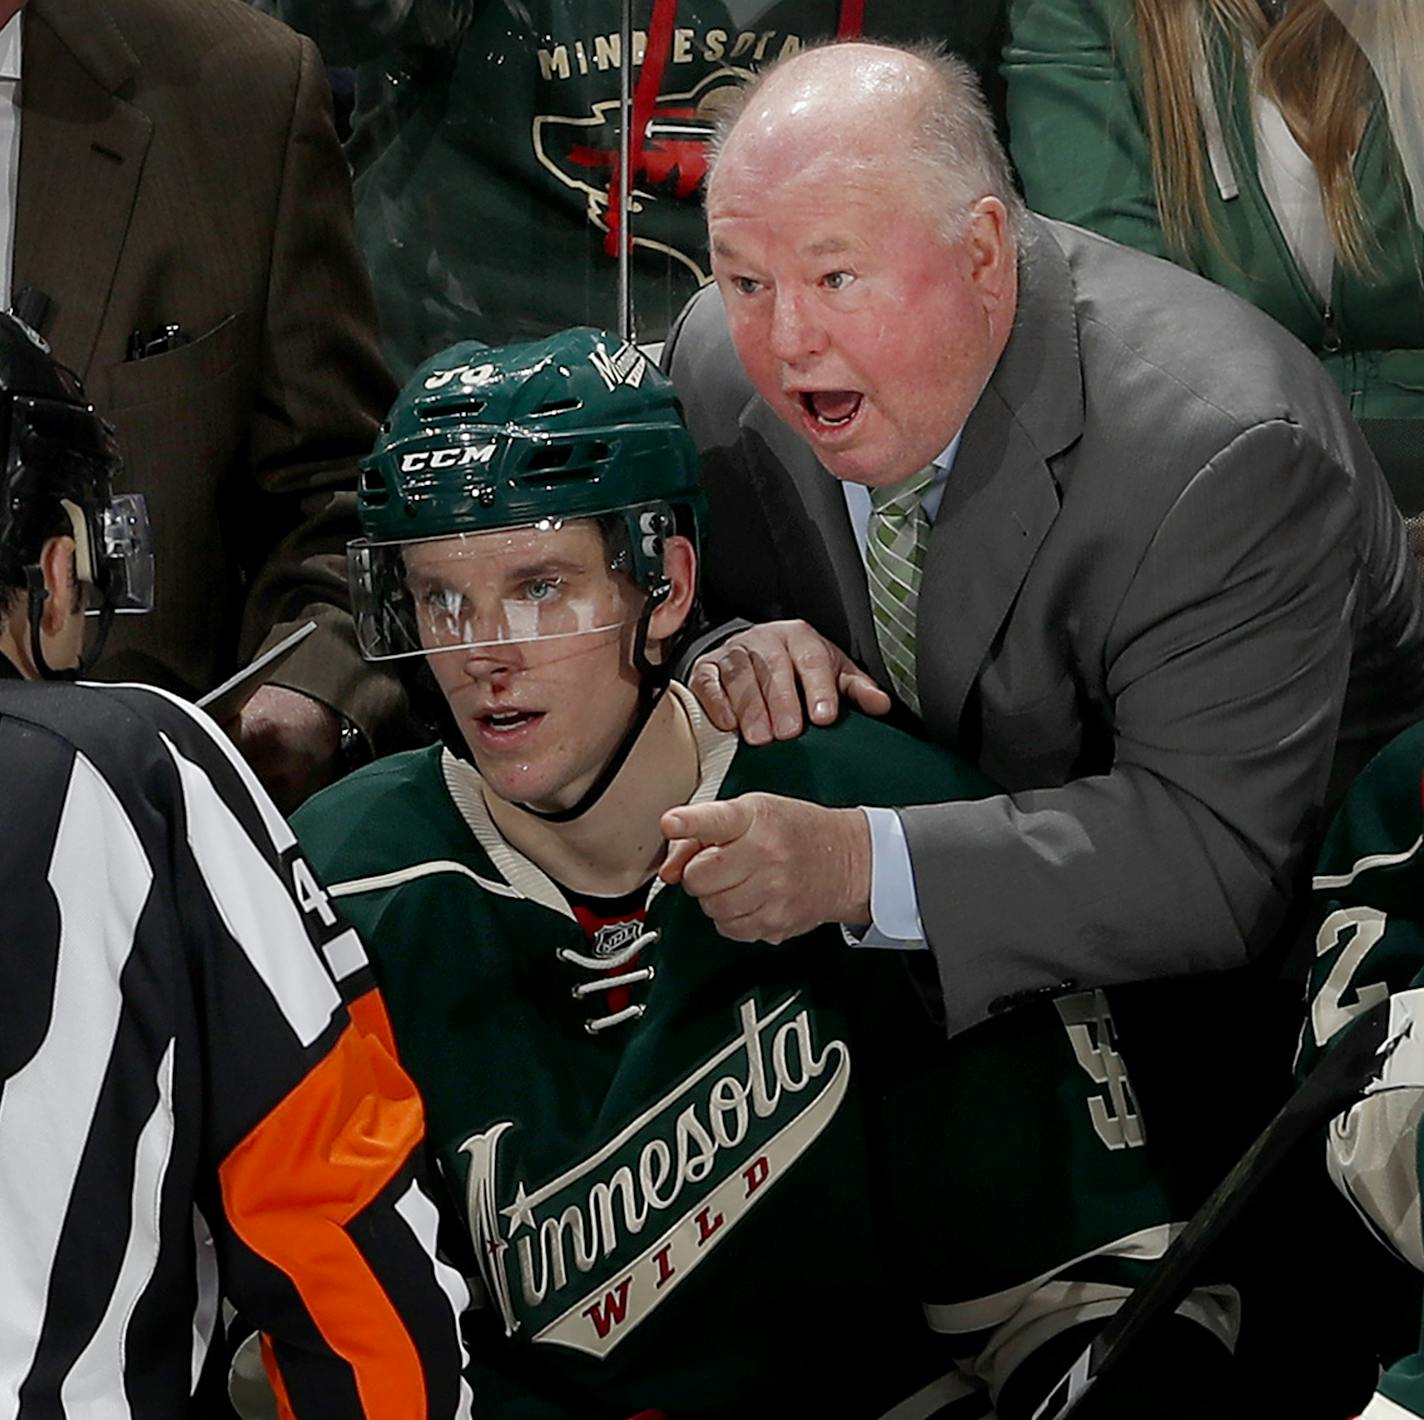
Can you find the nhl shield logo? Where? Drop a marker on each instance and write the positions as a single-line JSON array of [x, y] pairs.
[[612, 938]]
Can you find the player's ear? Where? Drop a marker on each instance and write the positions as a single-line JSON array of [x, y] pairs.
[[680, 568]]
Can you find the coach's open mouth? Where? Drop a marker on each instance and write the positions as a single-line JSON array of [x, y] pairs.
[[832, 409]]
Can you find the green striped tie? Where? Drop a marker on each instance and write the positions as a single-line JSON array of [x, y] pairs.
[[894, 556]]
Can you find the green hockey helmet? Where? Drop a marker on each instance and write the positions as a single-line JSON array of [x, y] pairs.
[[515, 440]]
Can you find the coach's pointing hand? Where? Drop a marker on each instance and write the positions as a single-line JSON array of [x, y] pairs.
[[766, 868]]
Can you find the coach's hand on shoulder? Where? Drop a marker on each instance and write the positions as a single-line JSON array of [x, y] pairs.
[[292, 742], [755, 682], [765, 868]]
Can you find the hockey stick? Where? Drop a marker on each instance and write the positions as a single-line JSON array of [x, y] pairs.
[[1354, 1063]]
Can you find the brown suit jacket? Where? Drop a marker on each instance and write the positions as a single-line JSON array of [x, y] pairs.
[[178, 164]]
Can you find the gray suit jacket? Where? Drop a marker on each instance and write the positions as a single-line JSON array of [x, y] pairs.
[[1164, 569], [178, 164]]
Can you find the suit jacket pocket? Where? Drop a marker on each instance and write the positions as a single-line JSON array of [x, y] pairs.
[[182, 372]]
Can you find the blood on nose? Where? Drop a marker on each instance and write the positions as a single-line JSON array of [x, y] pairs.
[[494, 661]]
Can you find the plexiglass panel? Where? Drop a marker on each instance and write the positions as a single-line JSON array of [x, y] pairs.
[[487, 143]]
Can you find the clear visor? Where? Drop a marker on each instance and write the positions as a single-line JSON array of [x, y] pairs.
[[127, 552], [545, 582]]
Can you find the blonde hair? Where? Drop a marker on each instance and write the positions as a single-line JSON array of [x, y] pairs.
[[1306, 63]]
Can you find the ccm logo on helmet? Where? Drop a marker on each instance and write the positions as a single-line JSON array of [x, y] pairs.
[[461, 456]]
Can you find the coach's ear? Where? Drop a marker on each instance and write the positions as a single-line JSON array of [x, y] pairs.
[[680, 568]]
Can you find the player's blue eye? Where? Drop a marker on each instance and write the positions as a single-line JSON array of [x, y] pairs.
[[542, 589]]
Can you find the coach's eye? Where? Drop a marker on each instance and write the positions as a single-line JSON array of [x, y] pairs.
[[837, 280], [745, 285]]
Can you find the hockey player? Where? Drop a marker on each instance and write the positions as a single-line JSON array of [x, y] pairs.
[[697, 1177], [196, 1085], [1369, 900]]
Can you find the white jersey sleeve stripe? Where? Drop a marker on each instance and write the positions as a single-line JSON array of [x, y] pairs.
[[1330, 882], [1056, 1307], [255, 906], [94, 1386], [381, 881], [929, 1401], [423, 1220], [101, 880]]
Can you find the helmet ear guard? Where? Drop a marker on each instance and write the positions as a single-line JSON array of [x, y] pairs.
[[117, 577], [85, 562]]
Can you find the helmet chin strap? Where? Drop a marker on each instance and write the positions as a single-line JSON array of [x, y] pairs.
[[650, 692], [37, 595]]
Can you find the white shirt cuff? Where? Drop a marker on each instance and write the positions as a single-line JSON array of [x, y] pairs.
[[894, 905]]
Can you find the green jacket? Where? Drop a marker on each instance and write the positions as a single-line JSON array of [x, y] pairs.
[[1078, 133], [780, 1161]]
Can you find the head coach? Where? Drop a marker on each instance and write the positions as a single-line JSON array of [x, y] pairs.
[[1097, 524]]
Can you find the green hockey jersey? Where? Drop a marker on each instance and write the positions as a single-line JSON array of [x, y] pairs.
[[704, 1177], [486, 146], [1369, 910]]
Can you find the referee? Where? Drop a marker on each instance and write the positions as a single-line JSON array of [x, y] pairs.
[[197, 1090]]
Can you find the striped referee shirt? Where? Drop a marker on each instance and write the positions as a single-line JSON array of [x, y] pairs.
[[196, 1087]]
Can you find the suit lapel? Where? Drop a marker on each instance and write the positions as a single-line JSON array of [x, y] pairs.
[[1001, 498], [81, 152], [821, 563]]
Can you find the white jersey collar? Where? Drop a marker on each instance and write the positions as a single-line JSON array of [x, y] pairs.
[[715, 751]]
